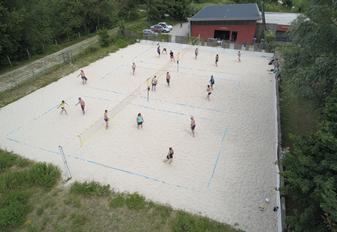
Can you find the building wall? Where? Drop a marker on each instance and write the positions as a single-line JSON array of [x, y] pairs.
[[246, 32]]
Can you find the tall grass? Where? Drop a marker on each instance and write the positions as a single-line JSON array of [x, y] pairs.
[[135, 201], [44, 175], [13, 209], [192, 223], [90, 189], [19, 178], [8, 160]]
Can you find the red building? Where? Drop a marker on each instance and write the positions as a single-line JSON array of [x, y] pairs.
[[233, 22], [279, 23]]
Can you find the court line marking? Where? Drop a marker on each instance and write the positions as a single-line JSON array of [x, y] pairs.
[[169, 111], [103, 165], [221, 149], [35, 118], [117, 67], [117, 108], [149, 107]]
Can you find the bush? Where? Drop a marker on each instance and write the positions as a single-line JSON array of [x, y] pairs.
[[13, 210], [14, 180], [40, 174], [104, 38], [121, 27], [185, 222], [135, 201], [270, 40], [117, 202], [8, 160], [162, 210], [44, 175], [121, 43], [90, 189], [269, 36]]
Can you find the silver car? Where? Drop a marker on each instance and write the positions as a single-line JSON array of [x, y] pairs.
[[149, 32]]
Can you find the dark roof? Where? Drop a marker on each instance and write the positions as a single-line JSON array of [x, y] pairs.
[[248, 11]]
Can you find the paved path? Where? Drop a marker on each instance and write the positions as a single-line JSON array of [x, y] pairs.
[[180, 31], [11, 79]]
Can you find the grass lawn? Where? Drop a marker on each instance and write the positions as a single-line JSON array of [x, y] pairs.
[[32, 198]]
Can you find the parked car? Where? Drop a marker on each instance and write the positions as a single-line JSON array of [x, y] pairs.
[[160, 29], [149, 32], [165, 25]]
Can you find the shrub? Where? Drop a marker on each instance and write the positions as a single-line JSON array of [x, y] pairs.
[[121, 43], [135, 201], [78, 221], [44, 175], [13, 209], [162, 210], [104, 38], [14, 180], [73, 200], [185, 222], [121, 27], [7, 160], [117, 202], [90, 189]]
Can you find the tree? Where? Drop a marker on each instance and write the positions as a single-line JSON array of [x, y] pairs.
[[104, 39], [311, 166], [311, 176], [27, 26], [177, 9], [313, 56], [128, 9]]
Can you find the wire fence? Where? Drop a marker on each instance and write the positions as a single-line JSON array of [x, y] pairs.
[[211, 42], [13, 78]]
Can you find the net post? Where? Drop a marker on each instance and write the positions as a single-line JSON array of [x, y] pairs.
[[67, 170]]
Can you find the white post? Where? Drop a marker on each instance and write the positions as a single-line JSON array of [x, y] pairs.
[[67, 170]]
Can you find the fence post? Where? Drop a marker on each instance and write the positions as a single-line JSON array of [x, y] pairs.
[[28, 54], [9, 60]]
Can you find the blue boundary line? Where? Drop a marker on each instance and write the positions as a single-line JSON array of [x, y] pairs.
[[35, 118], [167, 111], [98, 98], [105, 90], [120, 66], [101, 164], [217, 158], [183, 104]]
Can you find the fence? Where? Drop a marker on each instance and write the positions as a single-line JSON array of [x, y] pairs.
[[11, 79], [279, 144], [258, 47]]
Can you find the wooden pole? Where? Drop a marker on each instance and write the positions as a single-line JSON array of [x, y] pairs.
[[28, 54], [9, 61]]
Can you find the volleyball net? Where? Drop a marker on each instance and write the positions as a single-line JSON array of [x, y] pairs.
[[98, 125]]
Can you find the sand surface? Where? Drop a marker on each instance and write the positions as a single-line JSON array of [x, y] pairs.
[[225, 172]]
